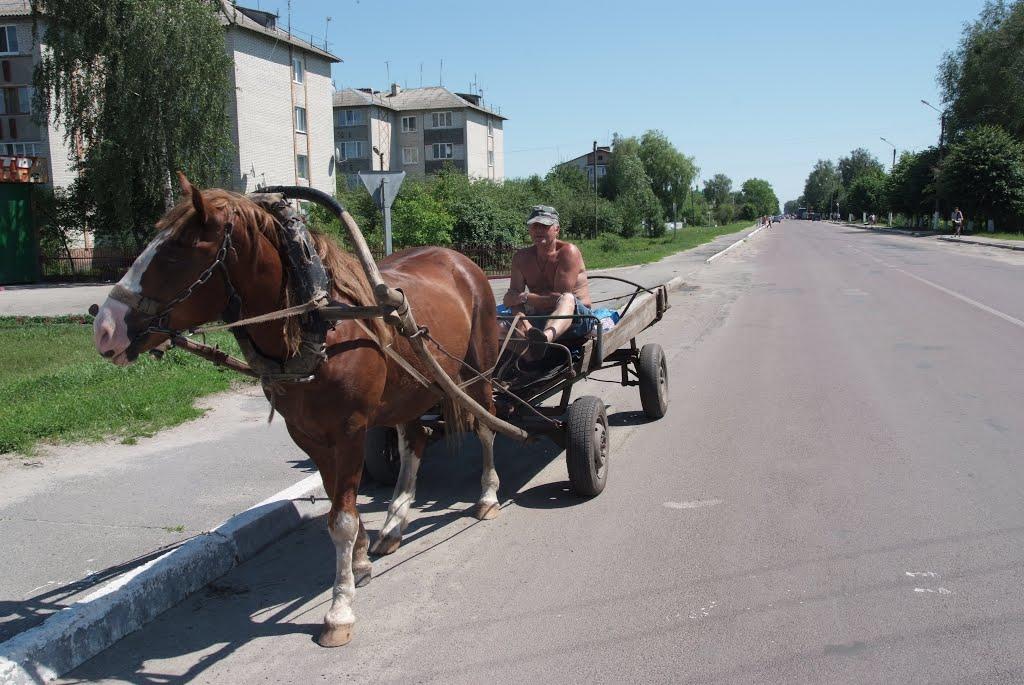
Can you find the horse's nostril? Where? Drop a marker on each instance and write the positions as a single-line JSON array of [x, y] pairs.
[[108, 354]]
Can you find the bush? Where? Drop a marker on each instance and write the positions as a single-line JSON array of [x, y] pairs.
[[609, 243]]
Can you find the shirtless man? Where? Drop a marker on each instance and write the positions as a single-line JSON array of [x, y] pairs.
[[550, 278]]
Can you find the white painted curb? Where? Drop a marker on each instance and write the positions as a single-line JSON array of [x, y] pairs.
[[738, 242], [87, 627]]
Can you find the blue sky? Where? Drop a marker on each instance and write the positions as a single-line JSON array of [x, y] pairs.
[[748, 88]]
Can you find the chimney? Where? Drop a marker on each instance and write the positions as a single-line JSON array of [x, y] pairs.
[[395, 89]]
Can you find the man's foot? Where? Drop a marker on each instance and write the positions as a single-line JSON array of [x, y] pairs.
[[536, 335]]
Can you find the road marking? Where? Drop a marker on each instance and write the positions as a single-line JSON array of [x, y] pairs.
[[741, 240], [928, 590], [695, 504], [952, 293], [921, 574]]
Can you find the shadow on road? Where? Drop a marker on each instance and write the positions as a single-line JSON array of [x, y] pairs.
[[275, 593]]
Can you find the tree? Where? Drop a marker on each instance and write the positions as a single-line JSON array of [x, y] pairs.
[[792, 205], [718, 189], [867, 194], [858, 163], [669, 170], [911, 185], [759, 195], [984, 174], [143, 86], [822, 185], [629, 186], [980, 80]]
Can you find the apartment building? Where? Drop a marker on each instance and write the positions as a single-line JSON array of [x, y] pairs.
[[281, 103], [419, 131], [20, 136], [586, 163]]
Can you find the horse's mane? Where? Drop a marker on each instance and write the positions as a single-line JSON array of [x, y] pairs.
[[344, 271]]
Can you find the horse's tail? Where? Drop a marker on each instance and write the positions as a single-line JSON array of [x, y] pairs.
[[456, 422]]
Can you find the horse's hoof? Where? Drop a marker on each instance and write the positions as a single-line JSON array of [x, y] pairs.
[[385, 546], [336, 636], [363, 575], [485, 511]]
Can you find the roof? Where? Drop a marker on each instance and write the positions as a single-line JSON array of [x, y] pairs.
[[431, 97], [233, 16], [15, 8], [352, 97]]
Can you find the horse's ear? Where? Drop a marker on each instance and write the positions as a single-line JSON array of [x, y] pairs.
[[196, 195]]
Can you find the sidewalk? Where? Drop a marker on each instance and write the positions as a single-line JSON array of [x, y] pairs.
[[51, 299], [988, 242], [74, 517]]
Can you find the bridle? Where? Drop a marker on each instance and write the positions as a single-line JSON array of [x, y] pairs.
[[156, 314]]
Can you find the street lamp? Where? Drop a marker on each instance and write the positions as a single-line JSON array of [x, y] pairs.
[[893, 151], [942, 136]]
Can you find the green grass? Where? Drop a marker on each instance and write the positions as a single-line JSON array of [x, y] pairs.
[[1000, 236], [55, 387], [610, 251]]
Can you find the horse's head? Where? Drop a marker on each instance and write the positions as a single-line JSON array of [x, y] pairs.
[[178, 282]]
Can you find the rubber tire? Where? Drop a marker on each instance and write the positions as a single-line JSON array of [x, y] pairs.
[[653, 372], [586, 426], [381, 458]]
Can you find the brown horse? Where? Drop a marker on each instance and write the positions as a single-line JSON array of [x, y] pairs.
[[356, 388]]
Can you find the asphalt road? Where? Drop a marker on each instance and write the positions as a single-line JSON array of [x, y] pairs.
[[834, 496]]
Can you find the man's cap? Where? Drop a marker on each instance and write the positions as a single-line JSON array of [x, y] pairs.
[[542, 214]]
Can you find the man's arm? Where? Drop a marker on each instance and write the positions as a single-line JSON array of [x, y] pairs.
[[570, 266], [515, 295]]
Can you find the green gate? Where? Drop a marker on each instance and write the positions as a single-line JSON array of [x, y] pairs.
[[19, 248]]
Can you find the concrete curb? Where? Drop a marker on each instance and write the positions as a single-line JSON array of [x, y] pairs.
[[1001, 246], [896, 231], [87, 627], [738, 242]]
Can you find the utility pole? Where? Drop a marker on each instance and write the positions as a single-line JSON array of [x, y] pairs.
[[595, 188], [942, 137]]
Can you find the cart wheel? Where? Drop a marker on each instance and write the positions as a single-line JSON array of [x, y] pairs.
[[381, 457], [586, 454], [653, 373]]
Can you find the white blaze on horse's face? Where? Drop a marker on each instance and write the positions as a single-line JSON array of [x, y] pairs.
[[110, 329]]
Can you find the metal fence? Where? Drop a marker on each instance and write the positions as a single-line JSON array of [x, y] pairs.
[[109, 264], [86, 264]]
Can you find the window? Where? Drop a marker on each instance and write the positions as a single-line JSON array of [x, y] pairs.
[[441, 119], [298, 69], [490, 158], [443, 151], [300, 119], [302, 165], [348, 117], [410, 155], [25, 100], [408, 124], [490, 126], [23, 149], [351, 149], [8, 40]]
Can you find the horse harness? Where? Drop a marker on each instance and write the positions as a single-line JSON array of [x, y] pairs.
[[307, 280]]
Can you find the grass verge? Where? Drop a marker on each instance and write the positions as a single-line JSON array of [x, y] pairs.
[[54, 387], [611, 250]]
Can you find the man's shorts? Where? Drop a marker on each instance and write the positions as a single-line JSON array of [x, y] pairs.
[[584, 322]]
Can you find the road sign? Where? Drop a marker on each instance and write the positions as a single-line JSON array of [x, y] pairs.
[[383, 188]]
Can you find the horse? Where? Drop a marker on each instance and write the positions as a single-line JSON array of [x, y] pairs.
[[216, 244]]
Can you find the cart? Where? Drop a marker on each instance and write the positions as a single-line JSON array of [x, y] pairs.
[[580, 425]]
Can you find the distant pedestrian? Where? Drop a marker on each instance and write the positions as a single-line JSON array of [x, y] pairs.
[[958, 220]]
